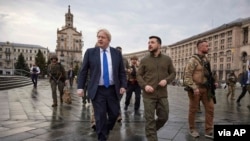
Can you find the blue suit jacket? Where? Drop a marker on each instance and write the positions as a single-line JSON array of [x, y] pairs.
[[92, 64]]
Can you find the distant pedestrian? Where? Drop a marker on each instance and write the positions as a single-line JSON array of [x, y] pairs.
[[57, 79], [71, 76], [34, 70], [231, 84], [155, 71], [245, 84], [127, 69], [133, 85]]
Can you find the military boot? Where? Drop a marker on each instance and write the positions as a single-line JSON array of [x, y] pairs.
[[54, 103], [61, 98]]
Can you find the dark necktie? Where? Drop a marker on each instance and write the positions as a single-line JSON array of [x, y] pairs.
[[105, 70]]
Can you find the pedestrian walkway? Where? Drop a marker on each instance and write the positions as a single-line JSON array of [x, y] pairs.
[[26, 115]]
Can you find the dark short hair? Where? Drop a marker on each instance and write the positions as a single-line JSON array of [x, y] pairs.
[[118, 47], [157, 38], [200, 41]]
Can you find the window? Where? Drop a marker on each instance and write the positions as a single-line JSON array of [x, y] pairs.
[[221, 66], [229, 33], [222, 35], [222, 41], [228, 66], [216, 43], [245, 35], [221, 60], [228, 59], [216, 37]]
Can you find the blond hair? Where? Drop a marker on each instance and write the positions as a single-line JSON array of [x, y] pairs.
[[106, 32]]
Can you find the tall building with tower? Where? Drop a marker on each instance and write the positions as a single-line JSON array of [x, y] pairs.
[[69, 43]]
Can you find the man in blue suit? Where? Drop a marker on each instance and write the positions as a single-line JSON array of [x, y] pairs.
[[245, 84], [107, 81]]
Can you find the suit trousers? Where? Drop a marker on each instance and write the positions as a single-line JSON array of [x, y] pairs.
[[106, 109], [34, 79], [208, 103]]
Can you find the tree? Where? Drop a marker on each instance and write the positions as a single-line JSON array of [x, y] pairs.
[[76, 69], [21, 65], [41, 62]]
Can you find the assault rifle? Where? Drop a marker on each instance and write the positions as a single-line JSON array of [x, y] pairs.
[[210, 81]]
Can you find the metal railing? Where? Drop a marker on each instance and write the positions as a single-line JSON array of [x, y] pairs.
[[19, 72]]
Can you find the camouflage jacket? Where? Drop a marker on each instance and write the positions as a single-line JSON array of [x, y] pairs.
[[56, 72], [195, 72]]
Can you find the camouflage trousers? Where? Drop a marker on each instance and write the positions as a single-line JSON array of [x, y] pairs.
[[54, 86], [231, 91]]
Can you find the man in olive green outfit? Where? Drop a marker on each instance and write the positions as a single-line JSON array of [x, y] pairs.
[[231, 83], [56, 73], [155, 71]]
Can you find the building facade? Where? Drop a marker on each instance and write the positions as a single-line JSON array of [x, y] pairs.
[[229, 49], [9, 53], [69, 43]]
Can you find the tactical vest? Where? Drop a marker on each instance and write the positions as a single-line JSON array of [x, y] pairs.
[[55, 70]]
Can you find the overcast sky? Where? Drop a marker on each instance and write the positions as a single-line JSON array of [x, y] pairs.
[[130, 22]]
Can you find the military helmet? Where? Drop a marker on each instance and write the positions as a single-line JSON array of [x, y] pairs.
[[53, 57]]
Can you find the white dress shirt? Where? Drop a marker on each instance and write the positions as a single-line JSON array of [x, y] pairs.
[[110, 67]]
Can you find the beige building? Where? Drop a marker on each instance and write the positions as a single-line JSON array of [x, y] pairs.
[[229, 48], [9, 53], [69, 43]]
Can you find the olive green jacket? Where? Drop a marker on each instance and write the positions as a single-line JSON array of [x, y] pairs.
[[152, 70]]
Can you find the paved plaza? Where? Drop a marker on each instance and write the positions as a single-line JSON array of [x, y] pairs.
[[26, 115]]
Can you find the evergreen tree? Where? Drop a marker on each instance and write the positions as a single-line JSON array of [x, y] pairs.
[[41, 63], [21, 66], [76, 69]]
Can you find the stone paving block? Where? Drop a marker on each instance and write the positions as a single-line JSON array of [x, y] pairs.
[[71, 122], [15, 131], [18, 137]]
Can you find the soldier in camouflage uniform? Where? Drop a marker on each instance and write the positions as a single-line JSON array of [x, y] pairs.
[[195, 79], [231, 83], [57, 78]]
